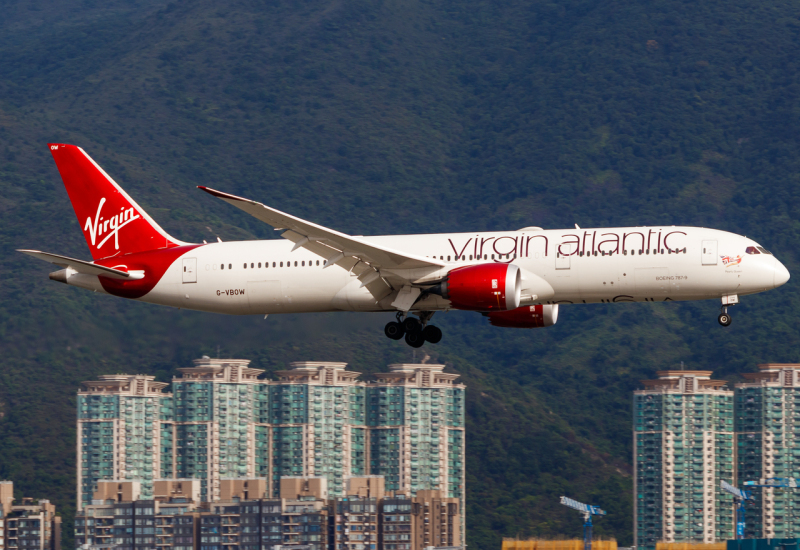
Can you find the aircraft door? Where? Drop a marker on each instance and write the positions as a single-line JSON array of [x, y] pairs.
[[190, 270], [710, 253], [563, 254]]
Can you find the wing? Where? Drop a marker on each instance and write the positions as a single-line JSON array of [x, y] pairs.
[[80, 266], [368, 260]]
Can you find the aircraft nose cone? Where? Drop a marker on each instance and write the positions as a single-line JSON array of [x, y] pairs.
[[781, 274]]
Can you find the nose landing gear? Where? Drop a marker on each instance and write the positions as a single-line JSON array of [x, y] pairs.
[[416, 331], [724, 317]]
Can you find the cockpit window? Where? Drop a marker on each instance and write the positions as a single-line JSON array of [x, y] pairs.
[[752, 250], [764, 250]]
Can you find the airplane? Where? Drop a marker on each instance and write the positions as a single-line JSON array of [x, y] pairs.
[[517, 279]]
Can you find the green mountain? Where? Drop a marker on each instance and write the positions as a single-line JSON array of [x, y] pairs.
[[378, 116]]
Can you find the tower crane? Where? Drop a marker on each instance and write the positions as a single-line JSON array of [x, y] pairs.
[[739, 498], [774, 483], [588, 511]]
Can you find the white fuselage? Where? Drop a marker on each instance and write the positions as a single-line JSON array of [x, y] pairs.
[[633, 264]]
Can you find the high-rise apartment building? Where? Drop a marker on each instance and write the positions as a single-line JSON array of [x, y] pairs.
[[302, 516], [216, 407], [355, 517], [6, 501], [120, 432], [316, 419], [221, 420], [118, 518], [682, 448], [27, 526], [419, 522], [416, 417], [768, 445], [317, 425]]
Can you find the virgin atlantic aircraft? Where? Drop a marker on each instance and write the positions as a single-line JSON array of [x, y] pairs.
[[514, 278]]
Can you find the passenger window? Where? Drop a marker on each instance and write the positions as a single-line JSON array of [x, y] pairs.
[[245, 266], [317, 262], [470, 256], [493, 256], [295, 264], [251, 265], [303, 264], [273, 264], [230, 266], [222, 266], [281, 264], [448, 258], [259, 264]]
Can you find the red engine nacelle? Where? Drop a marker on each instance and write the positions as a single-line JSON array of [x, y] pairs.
[[484, 287], [525, 317]]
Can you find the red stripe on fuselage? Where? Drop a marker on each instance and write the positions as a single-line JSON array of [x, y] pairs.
[[154, 263]]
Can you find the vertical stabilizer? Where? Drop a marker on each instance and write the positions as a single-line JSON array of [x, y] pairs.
[[111, 221]]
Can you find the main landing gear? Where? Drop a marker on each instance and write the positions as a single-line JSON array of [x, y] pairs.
[[416, 331]]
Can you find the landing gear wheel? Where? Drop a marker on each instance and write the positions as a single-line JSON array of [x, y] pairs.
[[724, 319], [415, 339], [412, 324], [393, 330], [432, 334]]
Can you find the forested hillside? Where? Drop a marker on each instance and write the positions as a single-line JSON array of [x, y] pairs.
[[388, 116]]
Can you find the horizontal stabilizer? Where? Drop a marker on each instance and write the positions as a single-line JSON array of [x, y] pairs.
[[80, 266]]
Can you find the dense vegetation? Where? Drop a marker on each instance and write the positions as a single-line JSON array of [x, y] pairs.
[[378, 116]]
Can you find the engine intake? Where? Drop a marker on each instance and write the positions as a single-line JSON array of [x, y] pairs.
[[484, 287], [525, 317]]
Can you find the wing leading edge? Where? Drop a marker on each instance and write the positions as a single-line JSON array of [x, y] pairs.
[[381, 269]]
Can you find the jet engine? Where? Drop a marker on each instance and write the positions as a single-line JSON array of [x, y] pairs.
[[483, 287], [525, 317]]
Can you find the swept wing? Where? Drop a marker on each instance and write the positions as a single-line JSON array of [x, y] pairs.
[[381, 269]]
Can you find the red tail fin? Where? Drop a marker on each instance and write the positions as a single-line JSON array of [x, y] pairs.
[[112, 222]]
